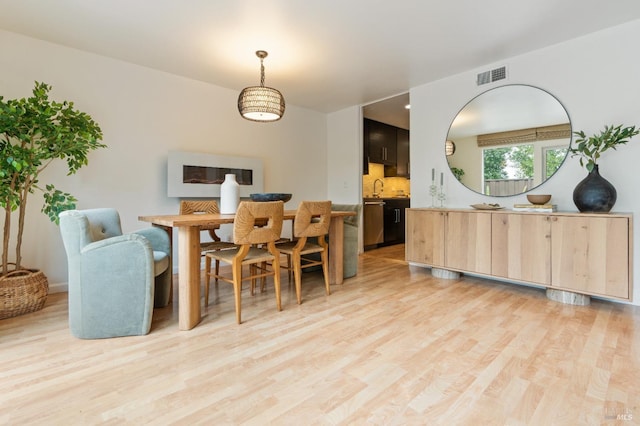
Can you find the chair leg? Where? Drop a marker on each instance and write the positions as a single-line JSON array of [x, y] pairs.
[[217, 272], [252, 271], [207, 273], [325, 271], [289, 270], [237, 289], [297, 274], [276, 281]]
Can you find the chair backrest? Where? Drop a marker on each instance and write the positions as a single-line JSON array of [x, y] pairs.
[[81, 227], [250, 212], [200, 207], [312, 219]]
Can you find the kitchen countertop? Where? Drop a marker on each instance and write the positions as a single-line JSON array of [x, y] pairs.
[[386, 198]]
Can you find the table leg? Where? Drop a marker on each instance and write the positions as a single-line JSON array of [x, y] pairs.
[[336, 250], [188, 277]]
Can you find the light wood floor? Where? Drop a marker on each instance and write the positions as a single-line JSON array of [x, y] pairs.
[[392, 346]]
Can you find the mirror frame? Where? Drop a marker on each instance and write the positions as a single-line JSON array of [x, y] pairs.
[[557, 107]]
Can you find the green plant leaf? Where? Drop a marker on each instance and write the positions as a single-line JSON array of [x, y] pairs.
[[590, 148], [35, 131]]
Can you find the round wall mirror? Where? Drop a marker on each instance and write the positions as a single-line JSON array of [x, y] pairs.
[[508, 140]]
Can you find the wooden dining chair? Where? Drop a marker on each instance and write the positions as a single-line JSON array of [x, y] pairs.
[[256, 248], [310, 228], [207, 207]]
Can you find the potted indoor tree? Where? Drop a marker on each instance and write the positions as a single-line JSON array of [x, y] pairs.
[[594, 193], [34, 132]]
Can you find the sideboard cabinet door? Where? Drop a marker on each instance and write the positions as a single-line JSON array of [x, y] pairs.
[[521, 247], [456, 240], [591, 254], [425, 237], [468, 241]]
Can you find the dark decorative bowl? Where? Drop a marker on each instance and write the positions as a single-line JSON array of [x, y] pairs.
[[272, 196]]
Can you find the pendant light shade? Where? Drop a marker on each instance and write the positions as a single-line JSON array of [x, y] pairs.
[[449, 148], [260, 103]]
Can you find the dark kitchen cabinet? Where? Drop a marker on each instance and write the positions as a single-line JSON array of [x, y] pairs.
[[380, 141], [365, 144], [401, 168], [402, 147], [394, 220], [387, 145]]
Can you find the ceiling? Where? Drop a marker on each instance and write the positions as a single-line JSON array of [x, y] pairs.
[[323, 55], [392, 111]]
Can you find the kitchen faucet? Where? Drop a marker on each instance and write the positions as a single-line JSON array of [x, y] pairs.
[[375, 194]]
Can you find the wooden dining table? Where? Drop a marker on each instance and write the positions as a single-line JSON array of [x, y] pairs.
[[189, 225]]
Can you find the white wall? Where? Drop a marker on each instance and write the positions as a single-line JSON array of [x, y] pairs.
[[345, 150], [344, 146], [596, 79], [143, 114]]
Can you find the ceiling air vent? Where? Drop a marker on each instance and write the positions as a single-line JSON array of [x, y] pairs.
[[491, 76]]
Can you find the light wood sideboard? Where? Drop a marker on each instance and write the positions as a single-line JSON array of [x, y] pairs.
[[583, 253]]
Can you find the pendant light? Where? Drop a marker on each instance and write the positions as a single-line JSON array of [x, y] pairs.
[[449, 148], [260, 103]]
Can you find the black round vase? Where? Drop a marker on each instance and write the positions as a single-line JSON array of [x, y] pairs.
[[594, 194]]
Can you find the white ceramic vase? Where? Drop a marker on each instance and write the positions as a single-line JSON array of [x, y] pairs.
[[229, 194]]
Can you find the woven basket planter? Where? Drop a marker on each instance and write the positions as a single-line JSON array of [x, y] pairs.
[[21, 293]]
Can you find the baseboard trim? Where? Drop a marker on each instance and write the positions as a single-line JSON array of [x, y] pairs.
[[58, 288]]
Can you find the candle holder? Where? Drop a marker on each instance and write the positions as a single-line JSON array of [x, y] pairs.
[[441, 196], [433, 191]]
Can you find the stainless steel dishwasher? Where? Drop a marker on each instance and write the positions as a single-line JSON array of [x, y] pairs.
[[373, 222]]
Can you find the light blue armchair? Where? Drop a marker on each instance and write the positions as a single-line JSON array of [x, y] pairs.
[[115, 280]]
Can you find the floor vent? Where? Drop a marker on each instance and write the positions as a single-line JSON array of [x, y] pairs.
[[491, 76]]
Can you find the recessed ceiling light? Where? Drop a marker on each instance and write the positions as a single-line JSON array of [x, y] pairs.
[[407, 106]]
